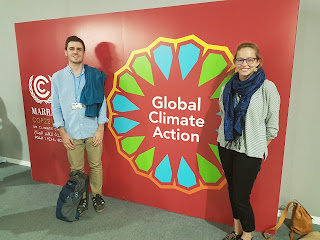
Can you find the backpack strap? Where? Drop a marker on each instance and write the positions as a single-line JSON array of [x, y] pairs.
[[85, 178], [84, 186], [281, 220]]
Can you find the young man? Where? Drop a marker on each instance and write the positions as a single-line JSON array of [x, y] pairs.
[[79, 112]]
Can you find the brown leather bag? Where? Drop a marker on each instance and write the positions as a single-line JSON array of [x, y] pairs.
[[301, 221]]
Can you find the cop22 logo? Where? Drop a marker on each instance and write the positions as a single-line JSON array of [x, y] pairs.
[[164, 112], [37, 90]]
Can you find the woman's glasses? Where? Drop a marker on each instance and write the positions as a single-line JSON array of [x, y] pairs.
[[249, 61]]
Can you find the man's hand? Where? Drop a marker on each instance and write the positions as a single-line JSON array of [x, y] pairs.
[[98, 136], [66, 139]]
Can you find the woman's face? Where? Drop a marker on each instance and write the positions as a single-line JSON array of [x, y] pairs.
[[246, 63]]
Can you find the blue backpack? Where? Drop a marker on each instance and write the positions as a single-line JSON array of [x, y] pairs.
[[71, 195]]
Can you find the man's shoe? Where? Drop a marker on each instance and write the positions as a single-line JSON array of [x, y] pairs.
[[82, 206], [232, 236], [98, 203]]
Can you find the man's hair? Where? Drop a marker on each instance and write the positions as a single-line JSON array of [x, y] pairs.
[[74, 39]]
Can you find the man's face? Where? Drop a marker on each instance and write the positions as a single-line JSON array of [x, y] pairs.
[[75, 52]]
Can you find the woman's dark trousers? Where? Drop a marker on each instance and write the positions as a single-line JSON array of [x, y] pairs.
[[241, 172]]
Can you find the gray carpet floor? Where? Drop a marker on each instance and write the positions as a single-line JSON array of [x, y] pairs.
[[27, 211]]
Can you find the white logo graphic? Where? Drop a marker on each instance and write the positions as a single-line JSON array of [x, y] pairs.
[[39, 94]]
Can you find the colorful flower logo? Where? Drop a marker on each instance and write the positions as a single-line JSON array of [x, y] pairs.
[[164, 113]]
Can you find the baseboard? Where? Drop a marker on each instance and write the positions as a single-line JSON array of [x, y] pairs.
[[15, 161], [315, 220]]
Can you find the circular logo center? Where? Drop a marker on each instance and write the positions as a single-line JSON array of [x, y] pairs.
[[164, 112]]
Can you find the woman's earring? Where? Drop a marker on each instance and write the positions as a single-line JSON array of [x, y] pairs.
[[255, 69]]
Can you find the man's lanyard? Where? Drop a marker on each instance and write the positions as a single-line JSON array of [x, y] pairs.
[[75, 84]]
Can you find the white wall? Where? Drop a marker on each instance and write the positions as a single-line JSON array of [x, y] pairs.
[[301, 163], [301, 168]]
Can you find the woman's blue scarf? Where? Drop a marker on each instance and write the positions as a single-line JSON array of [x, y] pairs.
[[234, 117]]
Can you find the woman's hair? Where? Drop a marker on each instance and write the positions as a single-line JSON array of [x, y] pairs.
[[250, 45]]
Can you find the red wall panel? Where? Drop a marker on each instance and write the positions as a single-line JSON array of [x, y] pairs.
[[110, 41]]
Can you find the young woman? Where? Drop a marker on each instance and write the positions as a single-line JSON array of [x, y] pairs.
[[249, 106]]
